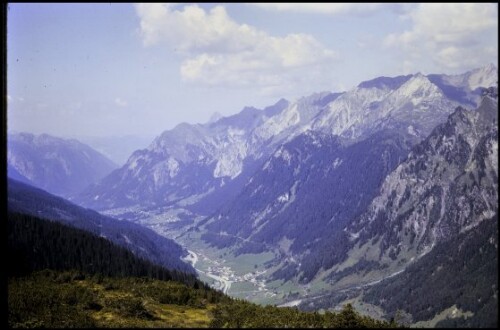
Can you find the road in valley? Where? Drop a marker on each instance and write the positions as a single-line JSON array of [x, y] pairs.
[[224, 283]]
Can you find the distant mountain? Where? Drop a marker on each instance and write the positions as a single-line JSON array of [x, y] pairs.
[[144, 242], [324, 178], [467, 86], [447, 185], [415, 106], [223, 154], [187, 161], [391, 83], [14, 174], [62, 167]]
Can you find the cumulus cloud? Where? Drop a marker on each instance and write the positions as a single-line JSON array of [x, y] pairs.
[[357, 9], [455, 36], [322, 8], [120, 102], [218, 51]]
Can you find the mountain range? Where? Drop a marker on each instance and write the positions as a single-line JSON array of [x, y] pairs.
[[265, 167], [231, 149], [60, 166], [348, 190]]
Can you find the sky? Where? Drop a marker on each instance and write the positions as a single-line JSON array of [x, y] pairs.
[[140, 69]]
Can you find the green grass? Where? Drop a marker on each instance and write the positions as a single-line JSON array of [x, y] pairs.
[[64, 299], [244, 287], [245, 263], [55, 299]]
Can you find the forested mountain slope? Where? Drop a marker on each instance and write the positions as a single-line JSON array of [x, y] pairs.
[[140, 240]]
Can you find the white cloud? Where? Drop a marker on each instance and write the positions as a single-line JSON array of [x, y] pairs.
[[121, 103], [323, 8], [454, 36], [217, 51]]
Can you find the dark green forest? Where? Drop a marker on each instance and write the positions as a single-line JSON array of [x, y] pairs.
[[143, 242], [36, 244], [457, 272]]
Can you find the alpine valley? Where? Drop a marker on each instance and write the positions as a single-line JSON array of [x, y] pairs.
[[384, 196]]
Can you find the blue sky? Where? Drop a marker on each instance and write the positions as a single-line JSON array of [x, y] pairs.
[[125, 69]]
